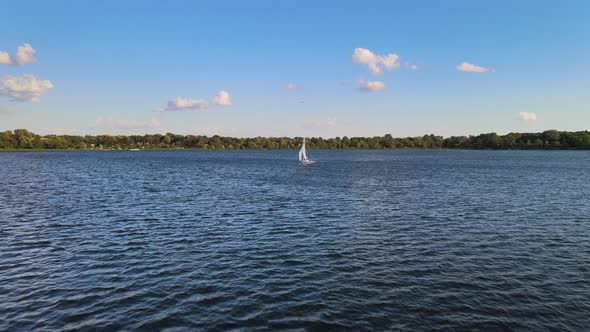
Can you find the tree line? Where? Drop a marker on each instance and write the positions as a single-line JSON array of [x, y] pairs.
[[22, 139]]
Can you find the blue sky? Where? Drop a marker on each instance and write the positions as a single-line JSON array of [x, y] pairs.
[[274, 68]]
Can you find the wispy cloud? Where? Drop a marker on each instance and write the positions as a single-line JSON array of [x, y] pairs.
[[24, 55], [66, 131], [471, 68], [23, 88], [411, 66], [376, 63], [7, 110], [222, 99], [187, 104], [372, 86], [210, 131], [126, 124], [527, 116], [291, 86], [326, 123]]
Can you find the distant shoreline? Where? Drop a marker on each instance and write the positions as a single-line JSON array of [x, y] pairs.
[[24, 140], [294, 149]]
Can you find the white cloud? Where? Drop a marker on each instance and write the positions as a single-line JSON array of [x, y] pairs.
[[127, 124], [471, 68], [24, 55], [222, 98], [372, 86], [5, 58], [23, 88], [376, 63], [186, 104], [411, 66], [527, 116], [291, 86]]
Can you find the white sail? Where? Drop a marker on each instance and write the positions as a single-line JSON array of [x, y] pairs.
[[302, 154]]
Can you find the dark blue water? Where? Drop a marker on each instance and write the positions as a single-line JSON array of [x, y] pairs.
[[361, 240]]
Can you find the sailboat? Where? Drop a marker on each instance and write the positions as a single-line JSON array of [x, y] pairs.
[[303, 155]]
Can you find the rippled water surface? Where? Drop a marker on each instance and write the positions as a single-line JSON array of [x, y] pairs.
[[361, 240]]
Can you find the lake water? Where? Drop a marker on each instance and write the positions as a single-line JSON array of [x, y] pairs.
[[360, 240]]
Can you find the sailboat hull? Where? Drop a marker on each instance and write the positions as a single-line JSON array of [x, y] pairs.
[[307, 162]]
